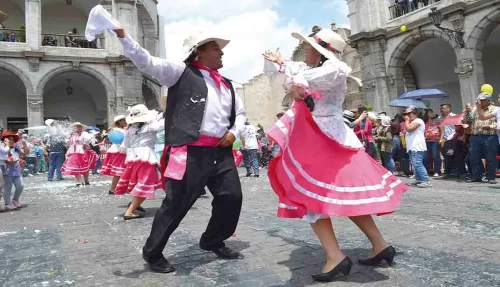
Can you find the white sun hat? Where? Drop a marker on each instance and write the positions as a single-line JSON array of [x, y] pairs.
[[326, 42], [118, 118], [140, 114], [385, 121], [49, 122], [75, 124], [192, 43]]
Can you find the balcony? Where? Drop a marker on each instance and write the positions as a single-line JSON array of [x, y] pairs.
[[404, 7], [13, 36], [71, 41]]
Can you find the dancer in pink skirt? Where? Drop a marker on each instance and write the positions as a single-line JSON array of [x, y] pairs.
[[114, 162], [79, 157], [141, 177], [322, 169]]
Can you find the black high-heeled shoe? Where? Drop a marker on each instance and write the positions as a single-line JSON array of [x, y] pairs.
[[386, 254], [343, 267]]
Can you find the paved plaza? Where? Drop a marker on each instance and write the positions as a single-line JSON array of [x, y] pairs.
[[447, 235]]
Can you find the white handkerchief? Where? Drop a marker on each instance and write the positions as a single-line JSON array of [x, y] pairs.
[[100, 20]]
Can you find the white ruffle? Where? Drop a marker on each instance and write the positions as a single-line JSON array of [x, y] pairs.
[[145, 154]]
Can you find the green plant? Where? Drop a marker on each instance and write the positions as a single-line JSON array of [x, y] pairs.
[[21, 37], [260, 126], [368, 108]]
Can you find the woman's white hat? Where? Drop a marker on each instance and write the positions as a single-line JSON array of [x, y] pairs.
[[140, 114], [118, 118], [385, 121], [192, 43], [80, 124], [326, 42]]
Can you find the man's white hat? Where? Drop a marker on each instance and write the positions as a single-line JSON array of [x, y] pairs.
[[326, 42], [192, 43], [49, 122]]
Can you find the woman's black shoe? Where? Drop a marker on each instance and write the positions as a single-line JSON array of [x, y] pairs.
[[386, 254], [140, 208], [343, 267], [87, 183], [111, 192]]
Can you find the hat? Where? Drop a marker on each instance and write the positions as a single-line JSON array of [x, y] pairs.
[[192, 43], [484, 96], [118, 118], [140, 114], [9, 134], [326, 42], [386, 121], [49, 122], [80, 124], [410, 110], [348, 115]]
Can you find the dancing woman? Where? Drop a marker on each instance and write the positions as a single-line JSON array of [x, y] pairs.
[[141, 177], [80, 159], [114, 162], [322, 169]]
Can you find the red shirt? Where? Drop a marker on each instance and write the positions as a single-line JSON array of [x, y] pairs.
[[432, 132]]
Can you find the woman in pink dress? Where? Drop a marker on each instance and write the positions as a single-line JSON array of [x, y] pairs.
[[80, 159], [141, 177], [114, 162], [322, 169]]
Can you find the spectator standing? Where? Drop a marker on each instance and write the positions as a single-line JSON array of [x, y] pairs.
[[384, 139], [432, 137], [446, 132], [415, 145], [483, 141], [12, 37], [251, 146]]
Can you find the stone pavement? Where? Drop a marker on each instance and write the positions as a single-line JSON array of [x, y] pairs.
[[445, 236]]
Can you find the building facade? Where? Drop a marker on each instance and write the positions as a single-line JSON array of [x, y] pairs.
[[264, 95], [49, 70], [396, 60]]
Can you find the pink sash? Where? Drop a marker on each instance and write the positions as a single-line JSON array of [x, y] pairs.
[[176, 166]]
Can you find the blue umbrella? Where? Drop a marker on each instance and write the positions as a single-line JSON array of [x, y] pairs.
[[424, 94], [404, 103], [92, 128]]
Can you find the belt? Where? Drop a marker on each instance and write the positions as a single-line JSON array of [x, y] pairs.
[[176, 166]]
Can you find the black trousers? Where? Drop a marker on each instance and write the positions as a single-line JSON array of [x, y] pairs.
[[206, 166], [457, 160]]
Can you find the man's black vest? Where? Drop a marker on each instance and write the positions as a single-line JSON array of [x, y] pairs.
[[186, 102]]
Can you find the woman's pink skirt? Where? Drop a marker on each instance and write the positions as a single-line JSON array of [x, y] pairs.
[[113, 164], [314, 173], [79, 163], [140, 179]]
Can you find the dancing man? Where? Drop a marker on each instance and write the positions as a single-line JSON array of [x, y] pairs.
[[203, 119]]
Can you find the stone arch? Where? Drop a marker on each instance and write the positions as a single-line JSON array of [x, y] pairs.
[[18, 72], [110, 90], [477, 40], [99, 76], [397, 61], [149, 29]]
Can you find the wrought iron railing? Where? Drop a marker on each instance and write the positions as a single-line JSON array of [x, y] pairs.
[[71, 41], [12, 35], [401, 8]]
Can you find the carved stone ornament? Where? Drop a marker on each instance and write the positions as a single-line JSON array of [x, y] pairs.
[[390, 81], [129, 69], [369, 86], [383, 44], [75, 64], [34, 64], [458, 21], [464, 67]]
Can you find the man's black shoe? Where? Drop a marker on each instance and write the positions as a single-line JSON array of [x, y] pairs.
[[226, 253], [160, 266]]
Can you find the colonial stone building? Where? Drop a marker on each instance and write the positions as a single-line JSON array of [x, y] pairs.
[[395, 61], [264, 96], [48, 72]]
